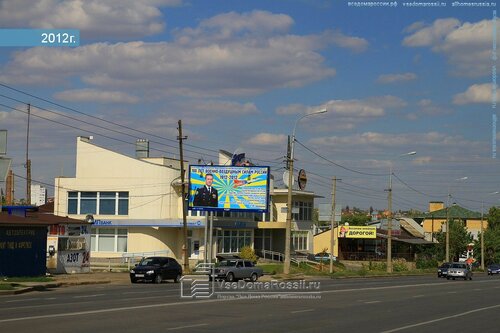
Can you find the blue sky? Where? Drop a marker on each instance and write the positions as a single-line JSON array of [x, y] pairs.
[[239, 74]]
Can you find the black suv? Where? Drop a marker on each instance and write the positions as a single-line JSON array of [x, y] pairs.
[[156, 269]]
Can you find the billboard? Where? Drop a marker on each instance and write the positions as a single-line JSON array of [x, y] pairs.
[[349, 231], [228, 188]]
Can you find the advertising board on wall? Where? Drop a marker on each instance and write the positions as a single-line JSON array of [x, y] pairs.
[[228, 188], [348, 231]]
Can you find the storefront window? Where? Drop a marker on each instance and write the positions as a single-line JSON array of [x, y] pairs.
[[109, 239], [231, 241]]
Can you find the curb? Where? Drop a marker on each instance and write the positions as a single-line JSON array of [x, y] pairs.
[[42, 287]]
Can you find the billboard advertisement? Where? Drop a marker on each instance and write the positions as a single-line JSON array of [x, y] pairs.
[[348, 231], [228, 188]]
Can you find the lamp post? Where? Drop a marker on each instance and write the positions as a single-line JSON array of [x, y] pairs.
[[288, 227], [447, 257], [389, 217]]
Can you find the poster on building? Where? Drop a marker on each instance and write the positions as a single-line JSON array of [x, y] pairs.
[[228, 188], [348, 231]]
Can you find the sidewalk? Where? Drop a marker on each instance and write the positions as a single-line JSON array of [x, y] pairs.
[[61, 280]]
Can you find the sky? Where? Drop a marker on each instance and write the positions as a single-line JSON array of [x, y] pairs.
[[240, 75]]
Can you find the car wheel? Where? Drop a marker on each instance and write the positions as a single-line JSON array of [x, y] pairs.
[[177, 278], [230, 277], [453, 279], [133, 280], [470, 278], [447, 278], [254, 277], [158, 278]]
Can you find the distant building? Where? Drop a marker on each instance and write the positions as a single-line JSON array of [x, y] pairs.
[[38, 195]]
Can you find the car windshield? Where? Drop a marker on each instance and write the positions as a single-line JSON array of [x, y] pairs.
[[230, 263], [458, 266], [445, 265], [149, 262]]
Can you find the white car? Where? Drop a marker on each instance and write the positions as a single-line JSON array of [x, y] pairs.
[[459, 270]]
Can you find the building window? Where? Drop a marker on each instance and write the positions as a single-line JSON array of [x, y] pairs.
[[100, 203], [300, 240], [231, 241], [305, 211], [109, 239]]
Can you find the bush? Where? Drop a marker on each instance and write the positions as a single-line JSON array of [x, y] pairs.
[[423, 263], [248, 253], [399, 265], [377, 266]]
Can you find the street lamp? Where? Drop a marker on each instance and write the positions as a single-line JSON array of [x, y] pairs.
[[389, 218], [448, 220], [288, 229]]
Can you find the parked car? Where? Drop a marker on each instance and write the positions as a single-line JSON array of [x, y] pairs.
[[156, 269], [459, 270], [443, 269], [493, 269], [235, 269], [323, 256]]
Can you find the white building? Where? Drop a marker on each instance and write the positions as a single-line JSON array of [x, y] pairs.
[[136, 205], [38, 195]]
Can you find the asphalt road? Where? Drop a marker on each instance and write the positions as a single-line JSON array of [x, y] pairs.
[[402, 304]]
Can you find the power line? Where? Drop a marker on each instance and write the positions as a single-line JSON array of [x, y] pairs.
[[339, 165]]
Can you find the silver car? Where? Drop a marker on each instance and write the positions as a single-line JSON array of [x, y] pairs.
[[459, 270], [235, 269]]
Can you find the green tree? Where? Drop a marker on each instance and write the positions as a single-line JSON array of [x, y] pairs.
[[459, 238], [491, 238], [356, 219]]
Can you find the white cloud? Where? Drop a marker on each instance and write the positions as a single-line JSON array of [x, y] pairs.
[[391, 78], [98, 96], [466, 45], [428, 108], [430, 139], [266, 139], [431, 35], [203, 65], [422, 160], [95, 18], [291, 109], [477, 93], [215, 107]]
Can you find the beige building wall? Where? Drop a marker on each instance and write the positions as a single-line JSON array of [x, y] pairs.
[[151, 193], [322, 241], [433, 226]]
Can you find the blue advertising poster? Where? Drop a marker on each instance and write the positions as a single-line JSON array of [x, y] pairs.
[[228, 188]]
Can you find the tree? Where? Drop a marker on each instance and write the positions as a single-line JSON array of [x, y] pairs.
[[356, 219], [459, 238], [491, 238]]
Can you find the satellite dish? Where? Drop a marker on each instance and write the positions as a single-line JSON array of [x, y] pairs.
[[89, 219], [286, 177]]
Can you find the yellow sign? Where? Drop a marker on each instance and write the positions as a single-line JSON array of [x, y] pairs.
[[348, 231]]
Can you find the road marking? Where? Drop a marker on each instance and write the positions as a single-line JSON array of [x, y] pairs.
[[22, 300], [451, 292], [149, 291], [418, 296], [87, 296], [442, 318], [300, 311], [106, 310], [478, 289], [183, 327], [49, 298], [373, 302]]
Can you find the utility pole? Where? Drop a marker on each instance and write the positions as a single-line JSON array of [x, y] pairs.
[[447, 256], [28, 162], [389, 223], [183, 193], [288, 229], [332, 236], [482, 236], [9, 200]]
